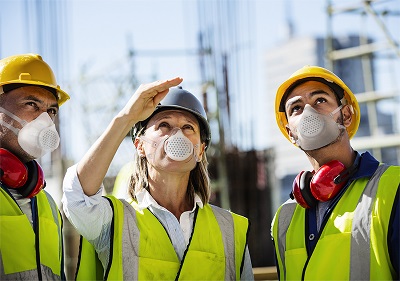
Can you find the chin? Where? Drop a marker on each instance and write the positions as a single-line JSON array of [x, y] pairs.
[[175, 167]]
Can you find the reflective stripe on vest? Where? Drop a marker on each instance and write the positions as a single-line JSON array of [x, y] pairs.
[[17, 240], [235, 228], [352, 238], [217, 233], [279, 230]]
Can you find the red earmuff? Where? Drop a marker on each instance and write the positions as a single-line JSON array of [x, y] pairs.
[[13, 172], [301, 190], [27, 178], [322, 185], [35, 182]]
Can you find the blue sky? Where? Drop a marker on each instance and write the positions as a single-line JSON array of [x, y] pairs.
[[99, 32], [104, 29]]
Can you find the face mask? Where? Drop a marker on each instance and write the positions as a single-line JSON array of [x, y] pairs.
[[315, 130], [37, 137], [177, 147]]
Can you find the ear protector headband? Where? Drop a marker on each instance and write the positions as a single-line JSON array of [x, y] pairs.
[[322, 185], [27, 179]]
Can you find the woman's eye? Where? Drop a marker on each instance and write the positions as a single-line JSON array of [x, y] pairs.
[[163, 125], [188, 127]]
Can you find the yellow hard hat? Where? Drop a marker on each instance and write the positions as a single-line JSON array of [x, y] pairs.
[[318, 74], [30, 69]]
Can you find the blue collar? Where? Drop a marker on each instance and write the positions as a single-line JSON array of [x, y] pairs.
[[366, 168]]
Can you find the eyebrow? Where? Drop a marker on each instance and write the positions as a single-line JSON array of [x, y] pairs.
[[34, 98], [298, 99]]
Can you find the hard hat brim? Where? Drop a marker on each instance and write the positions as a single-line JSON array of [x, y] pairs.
[[61, 97]]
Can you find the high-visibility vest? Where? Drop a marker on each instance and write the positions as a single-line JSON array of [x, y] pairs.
[[215, 252], [122, 180], [22, 252], [353, 243]]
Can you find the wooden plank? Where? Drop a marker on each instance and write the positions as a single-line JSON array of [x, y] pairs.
[[265, 273]]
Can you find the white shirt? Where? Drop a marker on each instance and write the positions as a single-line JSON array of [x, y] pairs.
[[91, 215]]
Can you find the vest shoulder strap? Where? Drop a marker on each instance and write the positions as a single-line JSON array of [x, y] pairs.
[[89, 265]]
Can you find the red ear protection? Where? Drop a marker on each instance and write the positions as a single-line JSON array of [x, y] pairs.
[[27, 178], [13, 172], [322, 185]]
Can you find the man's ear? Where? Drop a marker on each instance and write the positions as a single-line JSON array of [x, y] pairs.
[[139, 147], [289, 132], [347, 115]]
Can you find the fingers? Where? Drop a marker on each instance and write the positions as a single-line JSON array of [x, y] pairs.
[[161, 85], [152, 93], [147, 97]]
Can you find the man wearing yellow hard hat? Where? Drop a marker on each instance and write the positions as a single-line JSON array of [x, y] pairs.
[[342, 220], [31, 241]]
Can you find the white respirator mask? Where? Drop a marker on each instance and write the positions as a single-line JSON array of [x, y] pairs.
[[315, 130], [37, 137], [179, 148], [176, 146]]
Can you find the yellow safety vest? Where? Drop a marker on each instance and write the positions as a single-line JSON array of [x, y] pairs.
[[353, 243], [215, 252], [21, 249]]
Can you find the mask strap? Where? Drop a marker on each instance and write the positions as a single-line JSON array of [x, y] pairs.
[[13, 116], [14, 130], [345, 102], [153, 143], [335, 111]]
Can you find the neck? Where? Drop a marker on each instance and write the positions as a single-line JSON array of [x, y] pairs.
[[341, 151], [170, 192]]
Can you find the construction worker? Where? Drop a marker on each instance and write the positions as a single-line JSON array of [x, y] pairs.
[[342, 221], [31, 241], [167, 230]]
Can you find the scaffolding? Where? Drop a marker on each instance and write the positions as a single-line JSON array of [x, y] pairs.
[[378, 48]]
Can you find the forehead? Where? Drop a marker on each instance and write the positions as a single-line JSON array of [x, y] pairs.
[[31, 91], [174, 114], [309, 88]]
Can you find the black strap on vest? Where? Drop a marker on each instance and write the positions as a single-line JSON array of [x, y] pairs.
[[187, 248]]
